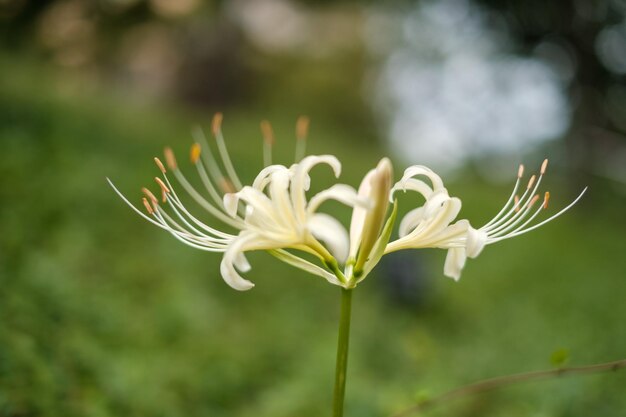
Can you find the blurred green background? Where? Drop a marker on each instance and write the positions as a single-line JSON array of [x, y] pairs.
[[102, 314]]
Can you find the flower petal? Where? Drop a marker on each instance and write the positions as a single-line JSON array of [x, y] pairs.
[[261, 180], [359, 214], [332, 232], [305, 265], [244, 242], [410, 221], [455, 261], [415, 170], [299, 180], [339, 192], [476, 241]]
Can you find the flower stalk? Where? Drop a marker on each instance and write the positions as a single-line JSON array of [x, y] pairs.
[[343, 341]]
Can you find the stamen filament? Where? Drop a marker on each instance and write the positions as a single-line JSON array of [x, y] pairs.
[[521, 232], [207, 157], [221, 145], [302, 130], [268, 142], [234, 222]]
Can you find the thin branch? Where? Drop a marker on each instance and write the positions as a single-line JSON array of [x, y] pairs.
[[503, 381]]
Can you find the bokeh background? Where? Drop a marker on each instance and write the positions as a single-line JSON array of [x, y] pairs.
[[102, 314]]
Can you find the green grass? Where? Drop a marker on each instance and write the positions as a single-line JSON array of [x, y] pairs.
[[102, 314]]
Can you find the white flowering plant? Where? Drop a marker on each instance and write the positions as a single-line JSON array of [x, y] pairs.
[[274, 214]]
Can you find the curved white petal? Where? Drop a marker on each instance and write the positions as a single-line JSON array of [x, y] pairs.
[[476, 241], [455, 261], [415, 170], [279, 196], [261, 180], [231, 201], [411, 184], [232, 256], [410, 221], [305, 265], [332, 232], [299, 180], [241, 262], [339, 192]]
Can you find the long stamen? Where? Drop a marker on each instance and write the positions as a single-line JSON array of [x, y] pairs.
[[181, 237], [533, 183], [268, 142], [515, 220], [175, 201], [207, 155], [230, 169], [521, 232], [544, 206], [520, 173], [195, 159], [195, 195], [302, 130], [195, 233]]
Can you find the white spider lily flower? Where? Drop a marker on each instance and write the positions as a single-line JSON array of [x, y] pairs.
[[282, 218], [431, 224], [516, 218], [272, 214]]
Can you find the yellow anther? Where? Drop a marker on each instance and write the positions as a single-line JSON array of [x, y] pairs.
[[544, 166], [516, 203], [164, 189], [226, 186], [169, 158], [302, 127], [194, 154], [158, 163], [149, 194], [520, 171], [546, 198], [268, 132], [531, 182], [147, 205], [216, 124]]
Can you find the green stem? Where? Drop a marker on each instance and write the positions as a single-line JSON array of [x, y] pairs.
[[342, 352]]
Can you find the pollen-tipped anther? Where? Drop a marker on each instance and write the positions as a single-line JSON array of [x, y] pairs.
[[226, 186], [531, 182], [216, 124], [170, 159], [516, 203], [520, 171], [302, 127], [194, 153], [159, 164], [267, 132], [546, 199], [164, 189], [544, 166], [147, 205], [533, 201], [151, 196]]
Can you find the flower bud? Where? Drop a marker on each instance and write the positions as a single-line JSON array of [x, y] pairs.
[[380, 184]]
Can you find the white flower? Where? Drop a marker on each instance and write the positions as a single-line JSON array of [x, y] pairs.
[[431, 224], [272, 214]]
